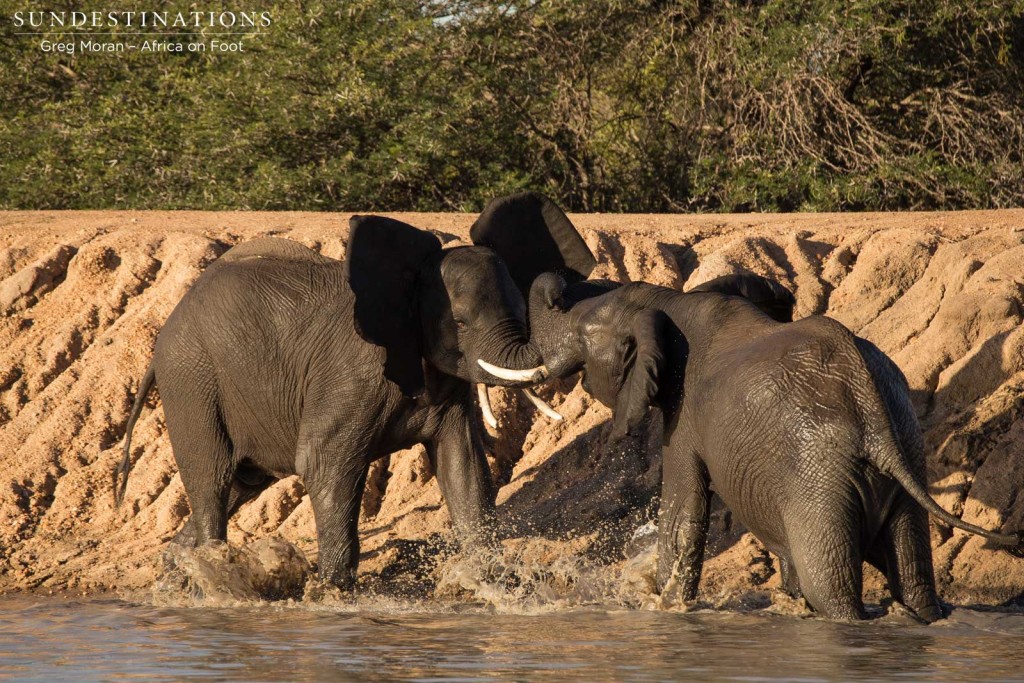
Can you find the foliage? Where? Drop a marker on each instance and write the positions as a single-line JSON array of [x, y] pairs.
[[607, 105]]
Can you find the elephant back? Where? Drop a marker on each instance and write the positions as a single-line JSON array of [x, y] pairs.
[[253, 274], [273, 248]]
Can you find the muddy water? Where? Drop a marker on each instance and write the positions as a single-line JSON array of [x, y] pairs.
[[45, 639]]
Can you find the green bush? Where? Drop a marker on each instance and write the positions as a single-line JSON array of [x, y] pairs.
[[608, 105]]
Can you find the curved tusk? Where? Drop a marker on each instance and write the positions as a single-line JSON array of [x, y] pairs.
[[541, 404], [485, 405], [537, 374]]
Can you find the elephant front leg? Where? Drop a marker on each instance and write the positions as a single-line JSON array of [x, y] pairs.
[[457, 455], [683, 522], [336, 492]]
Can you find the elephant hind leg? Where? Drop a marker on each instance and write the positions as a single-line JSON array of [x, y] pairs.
[[790, 582], [202, 450], [827, 560], [906, 547], [245, 486]]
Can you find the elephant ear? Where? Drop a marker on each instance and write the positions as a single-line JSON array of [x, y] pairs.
[[645, 367], [383, 260], [532, 236], [769, 295]]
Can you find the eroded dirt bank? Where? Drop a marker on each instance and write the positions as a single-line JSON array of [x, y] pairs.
[[83, 295]]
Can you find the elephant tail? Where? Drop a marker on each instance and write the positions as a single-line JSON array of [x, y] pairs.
[[889, 458], [121, 473]]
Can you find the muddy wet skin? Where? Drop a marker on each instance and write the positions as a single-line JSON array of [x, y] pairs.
[[54, 640]]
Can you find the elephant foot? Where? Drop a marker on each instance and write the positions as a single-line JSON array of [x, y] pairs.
[[187, 535], [345, 582], [930, 614], [673, 598], [784, 603], [341, 576], [926, 614], [319, 589], [677, 587]]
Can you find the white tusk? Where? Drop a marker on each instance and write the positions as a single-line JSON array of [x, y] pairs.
[[485, 405], [535, 375], [541, 404]]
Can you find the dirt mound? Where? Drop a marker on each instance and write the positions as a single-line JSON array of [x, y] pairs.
[[83, 295]]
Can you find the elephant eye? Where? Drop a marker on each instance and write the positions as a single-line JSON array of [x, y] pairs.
[[461, 324]]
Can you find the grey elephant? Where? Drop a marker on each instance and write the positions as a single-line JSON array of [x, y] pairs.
[[534, 236], [805, 431], [280, 361]]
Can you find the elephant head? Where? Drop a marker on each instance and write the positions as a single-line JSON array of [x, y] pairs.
[[532, 236], [623, 350], [631, 354], [570, 320], [457, 309]]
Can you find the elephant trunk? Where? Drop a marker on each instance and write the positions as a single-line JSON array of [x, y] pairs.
[[508, 358]]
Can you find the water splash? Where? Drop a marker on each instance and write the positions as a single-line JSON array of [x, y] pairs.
[[536, 575], [526, 575], [522, 576], [218, 574]]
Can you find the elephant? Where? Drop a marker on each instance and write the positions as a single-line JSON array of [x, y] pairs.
[[280, 361], [805, 431], [533, 236], [770, 296]]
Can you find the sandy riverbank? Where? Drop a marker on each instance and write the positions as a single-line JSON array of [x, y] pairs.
[[83, 295]]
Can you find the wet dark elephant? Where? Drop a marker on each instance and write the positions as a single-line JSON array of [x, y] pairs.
[[534, 236], [280, 361], [805, 431], [768, 295]]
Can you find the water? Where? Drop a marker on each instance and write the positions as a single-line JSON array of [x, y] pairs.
[[50, 639]]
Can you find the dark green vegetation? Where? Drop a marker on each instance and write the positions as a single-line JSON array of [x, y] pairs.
[[606, 105]]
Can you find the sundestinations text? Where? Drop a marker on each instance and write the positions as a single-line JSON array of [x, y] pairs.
[[146, 19]]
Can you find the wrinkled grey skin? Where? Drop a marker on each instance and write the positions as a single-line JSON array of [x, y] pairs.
[[280, 361], [768, 295], [806, 432]]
